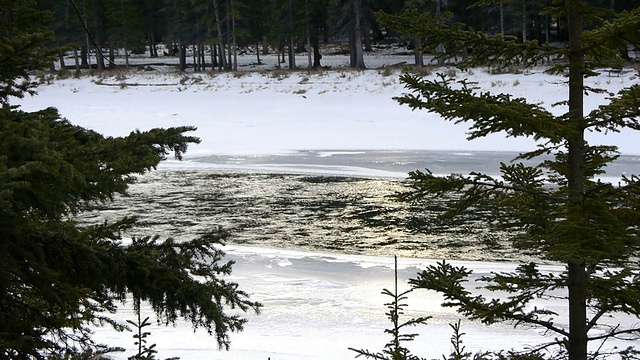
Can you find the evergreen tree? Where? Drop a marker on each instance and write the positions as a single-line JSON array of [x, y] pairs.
[[58, 278], [349, 20], [557, 209], [124, 28], [395, 348], [318, 16], [22, 46]]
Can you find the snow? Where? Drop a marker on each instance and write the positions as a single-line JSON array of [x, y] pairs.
[[277, 112], [316, 305]]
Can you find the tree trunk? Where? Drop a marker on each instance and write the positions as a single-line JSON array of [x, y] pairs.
[[228, 40], [99, 58], [84, 56], [182, 54], [76, 59], [203, 57], [352, 49], [315, 43], [358, 56], [171, 48], [308, 31], [576, 277], [112, 57], [214, 56], [281, 52], [419, 57], [223, 60], [524, 21], [98, 28], [86, 38], [63, 67], [265, 46], [367, 39], [440, 48], [153, 49], [233, 37], [502, 20], [124, 37], [291, 52], [546, 29], [577, 283], [196, 58], [126, 57]]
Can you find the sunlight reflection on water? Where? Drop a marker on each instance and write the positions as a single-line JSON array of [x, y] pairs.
[[299, 212]]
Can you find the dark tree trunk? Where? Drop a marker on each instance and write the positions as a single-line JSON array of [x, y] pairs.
[[99, 59], [182, 54], [440, 48], [196, 58], [576, 277], [84, 55], [292, 53], [63, 67], [367, 39], [214, 56], [524, 21], [153, 49], [577, 283], [280, 52], [98, 35], [234, 42], [265, 46], [308, 34], [315, 43], [223, 60], [258, 54], [203, 59], [352, 50], [228, 40], [502, 19], [419, 57], [112, 57], [356, 48], [76, 59]]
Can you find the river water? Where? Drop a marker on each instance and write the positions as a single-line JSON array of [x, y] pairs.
[[302, 227], [337, 201]]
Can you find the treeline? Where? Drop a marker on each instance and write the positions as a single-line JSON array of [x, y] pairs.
[[213, 31]]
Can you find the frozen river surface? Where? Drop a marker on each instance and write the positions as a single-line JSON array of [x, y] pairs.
[[316, 201], [313, 235], [392, 163]]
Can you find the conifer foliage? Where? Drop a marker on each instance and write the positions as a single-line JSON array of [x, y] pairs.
[[395, 349], [57, 277], [22, 46], [557, 210]]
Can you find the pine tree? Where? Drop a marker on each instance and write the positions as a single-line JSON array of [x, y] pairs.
[[395, 349], [349, 19], [22, 46], [58, 278], [557, 209]]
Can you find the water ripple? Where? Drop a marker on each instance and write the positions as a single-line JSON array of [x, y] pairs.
[[349, 215]]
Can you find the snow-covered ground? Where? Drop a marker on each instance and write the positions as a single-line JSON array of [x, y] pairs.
[[316, 305], [277, 112]]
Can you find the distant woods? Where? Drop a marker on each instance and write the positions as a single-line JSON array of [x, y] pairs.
[[210, 34]]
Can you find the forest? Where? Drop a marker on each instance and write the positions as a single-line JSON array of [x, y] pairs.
[[213, 32], [60, 278]]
